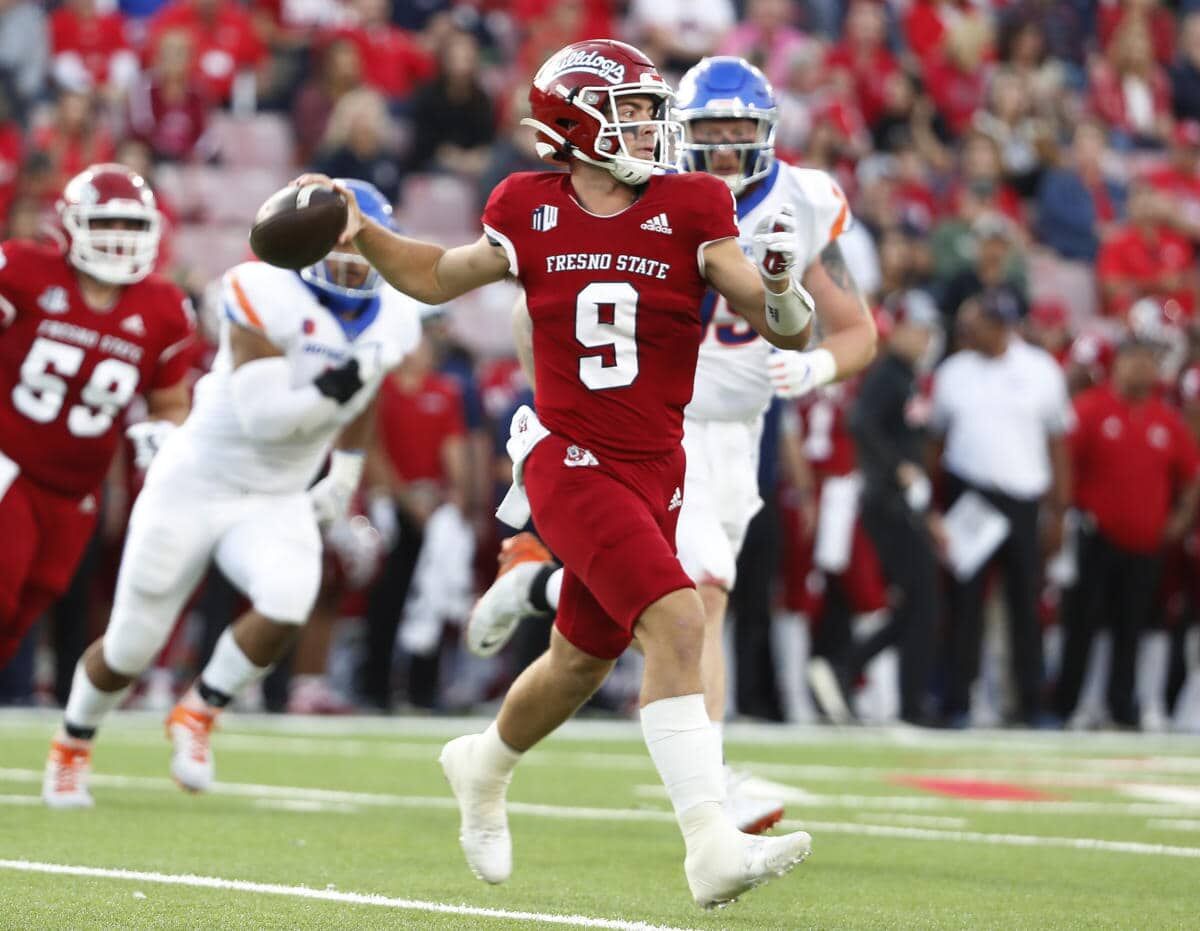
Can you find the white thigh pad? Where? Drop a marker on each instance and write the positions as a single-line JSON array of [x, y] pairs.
[[166, 553], [272, 553]]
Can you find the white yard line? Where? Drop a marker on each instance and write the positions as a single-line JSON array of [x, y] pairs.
[[1004, 840], [328, 895], [1177, 824], [20, 800], [891, 803], [1106, 775], [804, 799], [581, 813], [995, 741]]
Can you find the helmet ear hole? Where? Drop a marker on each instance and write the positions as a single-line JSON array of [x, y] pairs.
[[565, 124]]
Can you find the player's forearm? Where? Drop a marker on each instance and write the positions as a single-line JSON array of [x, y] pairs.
[[269, 408], [846, 323], [852, 348], [170, 404], [408, 265], [1059, 497], [360, 432]]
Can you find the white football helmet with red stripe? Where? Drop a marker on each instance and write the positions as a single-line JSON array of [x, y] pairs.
[[112, 224]]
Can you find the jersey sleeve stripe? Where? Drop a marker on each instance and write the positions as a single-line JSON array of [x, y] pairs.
[[839, 225], [8, 313], [244, 304], [507, 244]]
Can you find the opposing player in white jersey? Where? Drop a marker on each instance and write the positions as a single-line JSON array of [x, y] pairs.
[[301, 358], [728, 112]]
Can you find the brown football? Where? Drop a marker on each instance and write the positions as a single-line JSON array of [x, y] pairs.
[[297, 226]]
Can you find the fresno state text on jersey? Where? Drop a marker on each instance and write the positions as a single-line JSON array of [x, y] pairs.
[[68, 371], [615, 303]]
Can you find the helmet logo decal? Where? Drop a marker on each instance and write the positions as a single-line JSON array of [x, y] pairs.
[[588, 62]]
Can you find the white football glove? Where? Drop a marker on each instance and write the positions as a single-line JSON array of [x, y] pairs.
[[359, 548], [147, 438], [331, 496], [795, 374], [775, 244]]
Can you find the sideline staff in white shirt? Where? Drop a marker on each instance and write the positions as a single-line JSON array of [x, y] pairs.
[[1003, 409]]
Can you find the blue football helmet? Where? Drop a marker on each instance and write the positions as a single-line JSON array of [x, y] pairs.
[[720, 88], [339, 278]]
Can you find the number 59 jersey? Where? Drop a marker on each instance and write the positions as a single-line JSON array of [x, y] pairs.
[[67, 371], [615, 303]]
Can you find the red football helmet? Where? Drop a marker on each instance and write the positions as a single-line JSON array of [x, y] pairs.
[[574, 101], [91, 203]]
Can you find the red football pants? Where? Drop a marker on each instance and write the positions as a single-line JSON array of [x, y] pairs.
[[42, 536]]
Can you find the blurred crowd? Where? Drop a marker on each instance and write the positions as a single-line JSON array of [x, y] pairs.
[[1028, 170]]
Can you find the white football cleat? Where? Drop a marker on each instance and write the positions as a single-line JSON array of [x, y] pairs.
[[497, 613], [189, 729], [65, 783], [751, 813], [483, 832], [728, 863]]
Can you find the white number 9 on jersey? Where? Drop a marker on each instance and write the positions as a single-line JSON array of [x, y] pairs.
[[606, 320]]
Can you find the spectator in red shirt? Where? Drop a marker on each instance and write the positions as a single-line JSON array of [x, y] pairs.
[[12, 148], [393, 62], [73, 140], [224, 40], [1179, 178], [1137, 483], [864, 55], [1130, 90], [957, 78], [1158, 21], [167, 108], [420, 462], [339, 71], [90, 49], [1146, 259]]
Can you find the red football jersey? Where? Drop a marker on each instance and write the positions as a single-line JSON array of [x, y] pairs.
[[67, 372], [615, 303], [828, 445]]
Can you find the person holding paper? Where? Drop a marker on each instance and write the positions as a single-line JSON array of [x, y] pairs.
[[1002, 410]]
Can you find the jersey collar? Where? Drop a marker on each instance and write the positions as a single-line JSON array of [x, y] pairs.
[[757, 194]]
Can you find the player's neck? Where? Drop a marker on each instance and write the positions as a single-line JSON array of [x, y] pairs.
[[98, 295], [599, 192]]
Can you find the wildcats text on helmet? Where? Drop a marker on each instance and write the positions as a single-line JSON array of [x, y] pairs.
[[586, 60]]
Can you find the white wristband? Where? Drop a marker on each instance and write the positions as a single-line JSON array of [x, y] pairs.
[[824, 367], [346, 467], [789, 313]]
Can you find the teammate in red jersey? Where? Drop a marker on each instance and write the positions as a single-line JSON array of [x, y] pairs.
[[81, 333], [614, 258]]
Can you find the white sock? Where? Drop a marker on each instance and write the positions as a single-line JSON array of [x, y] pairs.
[[686, 750], [554, 588], [229, 670], [496, 758], [1153, 665], [87, 706]]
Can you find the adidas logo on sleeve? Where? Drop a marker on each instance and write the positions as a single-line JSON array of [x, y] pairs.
[[658, 224]]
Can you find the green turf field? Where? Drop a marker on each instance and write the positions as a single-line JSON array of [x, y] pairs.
[[347, 823]]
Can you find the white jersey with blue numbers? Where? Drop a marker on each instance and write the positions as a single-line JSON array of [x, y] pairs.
[[731, 375], [278, 304]]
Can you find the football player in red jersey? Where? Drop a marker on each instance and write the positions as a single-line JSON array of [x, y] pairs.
[[615, 258], [81, 332]]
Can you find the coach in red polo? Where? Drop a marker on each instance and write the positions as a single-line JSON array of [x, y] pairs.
[[1137, 481]]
